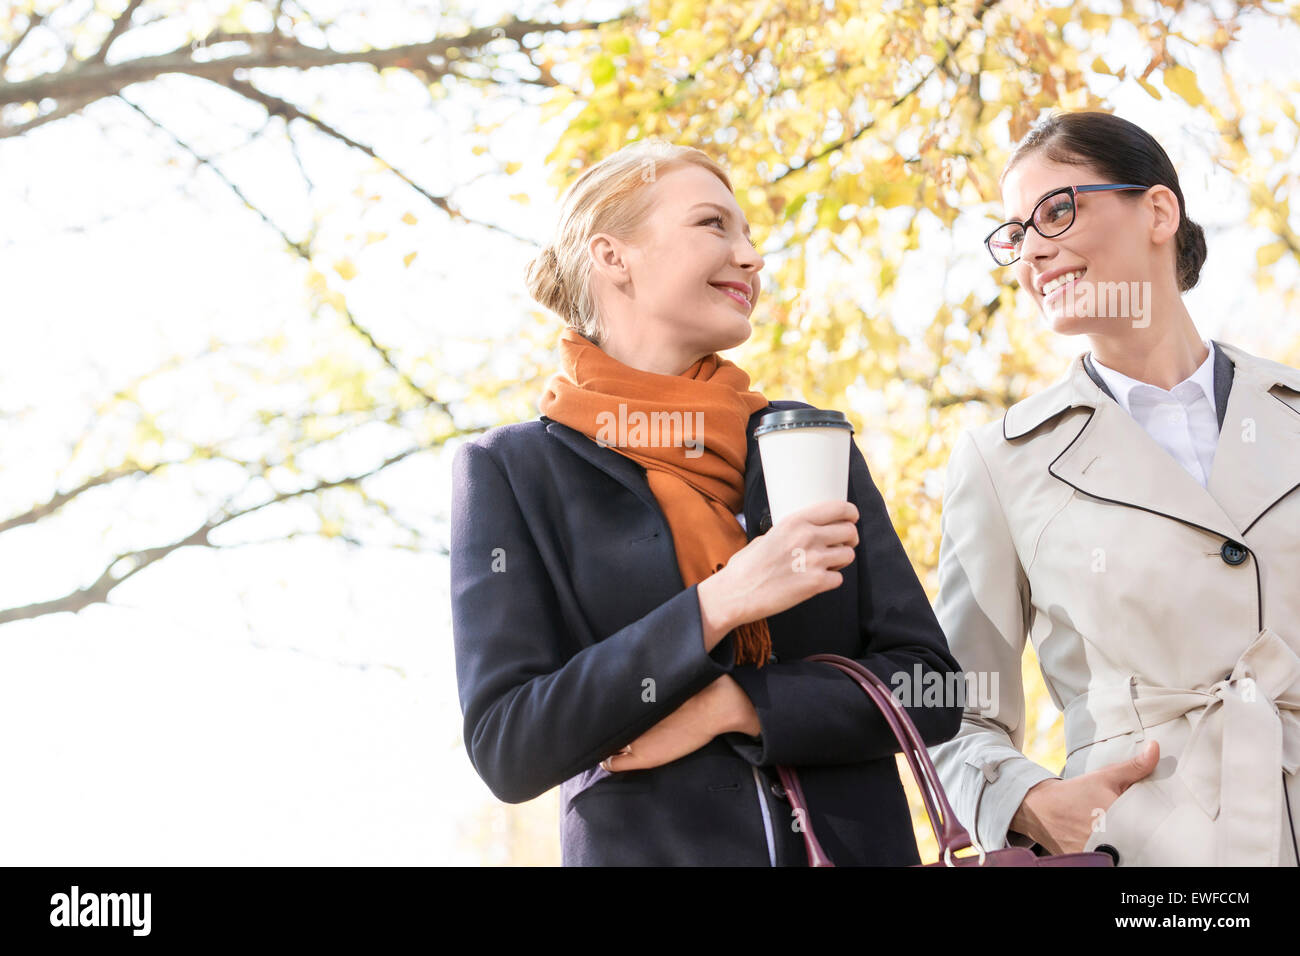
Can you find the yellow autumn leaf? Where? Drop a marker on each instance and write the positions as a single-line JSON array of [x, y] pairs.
[[1148, 87], [1269, 254], [602, 70], [682, 14], [345, 269], [890, 195], [409, 258], [1181, 81]]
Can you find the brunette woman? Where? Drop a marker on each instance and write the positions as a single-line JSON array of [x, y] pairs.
[[1139, 522]]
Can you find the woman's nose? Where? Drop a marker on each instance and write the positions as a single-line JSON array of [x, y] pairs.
[[1035, 246], [747, 256]]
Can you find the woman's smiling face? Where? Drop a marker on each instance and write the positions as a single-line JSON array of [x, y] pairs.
[[1109, 242], [694, 274]]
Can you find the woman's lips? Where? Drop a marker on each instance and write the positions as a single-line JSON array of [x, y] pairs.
[[1060, 289], [734, 296]]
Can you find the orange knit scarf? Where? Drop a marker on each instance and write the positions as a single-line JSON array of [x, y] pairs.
[[688, 432]]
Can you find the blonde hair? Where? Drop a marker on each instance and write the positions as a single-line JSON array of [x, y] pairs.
[[613, 197]]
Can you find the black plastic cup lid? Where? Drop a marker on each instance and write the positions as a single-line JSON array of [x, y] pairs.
[[801, 418]]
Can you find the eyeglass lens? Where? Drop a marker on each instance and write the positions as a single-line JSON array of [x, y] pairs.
[[1052, 217]]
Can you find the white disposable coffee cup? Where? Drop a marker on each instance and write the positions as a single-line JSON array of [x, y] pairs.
[[805, 454]]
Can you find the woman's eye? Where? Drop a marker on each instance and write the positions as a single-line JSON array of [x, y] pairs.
[[1057, 211], [723, 226]]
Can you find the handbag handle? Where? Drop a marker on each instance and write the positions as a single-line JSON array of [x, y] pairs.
[[949, 834]]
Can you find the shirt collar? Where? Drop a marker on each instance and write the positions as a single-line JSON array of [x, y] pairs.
[[1121, 386]]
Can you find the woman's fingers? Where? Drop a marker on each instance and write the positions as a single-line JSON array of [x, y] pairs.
[[840, 558], [839, 533], [608, 762], [827, 512]]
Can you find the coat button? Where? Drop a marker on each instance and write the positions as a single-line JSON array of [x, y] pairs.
[[778, 791], [765, 523], [1107, 848], [1233, 553]]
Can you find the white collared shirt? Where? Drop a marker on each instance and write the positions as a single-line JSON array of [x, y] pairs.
[[1183, 421]]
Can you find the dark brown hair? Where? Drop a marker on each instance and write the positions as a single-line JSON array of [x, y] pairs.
[[1123, 153]]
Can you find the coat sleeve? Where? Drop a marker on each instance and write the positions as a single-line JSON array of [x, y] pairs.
[[539, 707], [810, 713], [984, 608]]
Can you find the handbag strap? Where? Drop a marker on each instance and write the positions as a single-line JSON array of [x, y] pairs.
[[790, 780], [949, 834]]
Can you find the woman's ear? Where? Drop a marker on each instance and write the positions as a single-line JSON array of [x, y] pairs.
[[1165, 218], [609, 258]]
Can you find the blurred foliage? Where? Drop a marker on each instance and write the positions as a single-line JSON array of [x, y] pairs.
[[855, 133]]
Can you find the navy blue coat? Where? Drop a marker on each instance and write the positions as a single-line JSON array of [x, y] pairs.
[[567, 599]]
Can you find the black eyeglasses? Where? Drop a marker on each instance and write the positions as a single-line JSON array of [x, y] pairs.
[[1052, 216]]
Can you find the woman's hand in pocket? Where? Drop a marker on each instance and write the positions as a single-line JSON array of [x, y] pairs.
[[1060, 814]]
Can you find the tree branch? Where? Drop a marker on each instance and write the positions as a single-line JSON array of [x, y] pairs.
[[304, 252], [66, 108], [34, 20], [32, 515], [96, 80], [899, 101], [275, 106], [120, 26], [125, 566]]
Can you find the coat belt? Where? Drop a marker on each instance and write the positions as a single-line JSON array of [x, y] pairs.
[[1245, 728]]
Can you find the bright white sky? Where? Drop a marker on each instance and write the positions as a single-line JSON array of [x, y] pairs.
[[292, 703]]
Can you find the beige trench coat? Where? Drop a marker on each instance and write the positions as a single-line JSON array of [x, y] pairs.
[[1158, 610]]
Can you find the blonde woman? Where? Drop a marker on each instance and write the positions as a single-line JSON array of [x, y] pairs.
[[629, 625], [1139, 521]]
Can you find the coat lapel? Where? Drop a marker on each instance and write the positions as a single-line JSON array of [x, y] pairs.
[[1257, 461], [632, 476], [757, 517], [619, 467], [1223, 375], [1112, 458]]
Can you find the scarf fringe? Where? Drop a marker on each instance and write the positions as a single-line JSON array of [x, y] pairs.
[[753, 643]]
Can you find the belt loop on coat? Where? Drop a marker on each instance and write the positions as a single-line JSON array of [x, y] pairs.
[[1101, 713]]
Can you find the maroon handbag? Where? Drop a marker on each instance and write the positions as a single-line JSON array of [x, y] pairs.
[[948, 833]]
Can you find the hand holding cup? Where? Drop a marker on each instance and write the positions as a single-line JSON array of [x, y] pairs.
[[805, 455]]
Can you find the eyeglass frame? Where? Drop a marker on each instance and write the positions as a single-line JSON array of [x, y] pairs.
[[1074, 206]]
